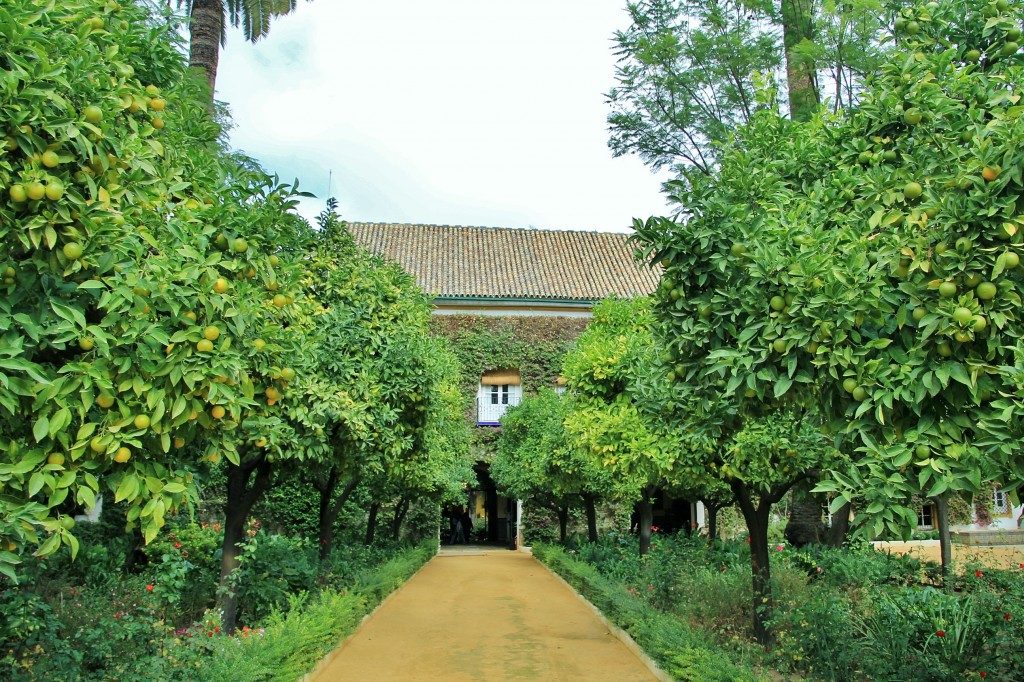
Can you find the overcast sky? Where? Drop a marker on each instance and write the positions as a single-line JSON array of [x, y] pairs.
[[458, 112]]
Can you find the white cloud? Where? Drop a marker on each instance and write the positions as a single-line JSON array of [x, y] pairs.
[[469, 112]]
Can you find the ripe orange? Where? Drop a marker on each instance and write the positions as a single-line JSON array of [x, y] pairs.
[[158, 122], [280, 300], [221, 285], [157, 104], [990, 173], [179, 442], [218, 412]]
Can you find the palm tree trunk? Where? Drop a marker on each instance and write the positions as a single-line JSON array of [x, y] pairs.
[[206, 27], [797, 26]]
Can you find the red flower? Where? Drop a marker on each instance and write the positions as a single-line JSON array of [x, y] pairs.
[[940, 633], [723, 569], [983, 674], [654, 529], [978, 573], [216, 628], [177, 545], [748, 542], [780, 547], [149, 588], [1007, 616]]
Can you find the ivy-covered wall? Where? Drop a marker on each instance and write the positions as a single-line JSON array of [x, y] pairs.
[[533, 345]]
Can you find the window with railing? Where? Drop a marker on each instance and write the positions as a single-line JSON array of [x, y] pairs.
[[1000, 502], [498, 391]]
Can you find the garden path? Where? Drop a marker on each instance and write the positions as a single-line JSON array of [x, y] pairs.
[[480, 613]]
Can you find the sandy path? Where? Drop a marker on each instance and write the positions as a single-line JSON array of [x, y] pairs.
[[484, 615]]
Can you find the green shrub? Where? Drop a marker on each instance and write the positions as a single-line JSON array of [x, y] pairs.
[[681, 651]]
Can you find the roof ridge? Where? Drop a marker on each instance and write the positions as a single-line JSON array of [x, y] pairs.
[[488, 227]]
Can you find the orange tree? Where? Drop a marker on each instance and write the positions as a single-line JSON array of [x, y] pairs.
[[536, 463], [930, 174], [133, 281], [606, 420], [389, 420], [863, 265]]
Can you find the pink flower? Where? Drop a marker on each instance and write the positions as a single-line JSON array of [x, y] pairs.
[[654, 529], [780, 548], [940, 633], [149, 588], [819, 569], [748, 542], [650, 587]]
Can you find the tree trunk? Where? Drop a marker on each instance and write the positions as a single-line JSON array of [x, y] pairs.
[[805, 526], [590, 503], [563, 523], [646, 519], [401, 509], [712, 520], [840, 525], [206, 26], [942, 523], [371, 523], [756, 519], [240, 500], [329, 513], [798, 26]]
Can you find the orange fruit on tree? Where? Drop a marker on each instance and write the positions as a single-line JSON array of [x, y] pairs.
[[287, 373], [105, 401], [141, 421], [218, 412], [19, 194], [72, 250], [259, 344], [280, 300], [86, 343], [50, 158], [179, 442], [122, 455], [204, 346], [211, 333], [92, 114], [221, 285], [35, 190], [55, 458], [990, 173]]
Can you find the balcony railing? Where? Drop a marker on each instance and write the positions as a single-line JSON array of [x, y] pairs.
[[488, 413]]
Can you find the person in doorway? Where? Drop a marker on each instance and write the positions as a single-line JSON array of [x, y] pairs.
[[458, 536], [467, 525]]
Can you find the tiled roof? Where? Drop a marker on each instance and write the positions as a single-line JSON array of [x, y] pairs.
[[491, 262]]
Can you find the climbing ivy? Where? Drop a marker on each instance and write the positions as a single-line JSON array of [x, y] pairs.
[[533, 345]]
